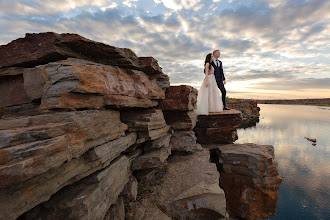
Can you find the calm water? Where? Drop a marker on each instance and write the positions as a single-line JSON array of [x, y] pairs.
[[305, 189]]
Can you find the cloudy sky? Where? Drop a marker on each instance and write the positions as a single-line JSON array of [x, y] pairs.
[[269, 49]]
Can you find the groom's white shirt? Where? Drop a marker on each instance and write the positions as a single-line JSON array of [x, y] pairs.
[[217, 62]]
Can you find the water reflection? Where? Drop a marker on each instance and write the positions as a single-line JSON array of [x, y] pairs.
[[304, 192]]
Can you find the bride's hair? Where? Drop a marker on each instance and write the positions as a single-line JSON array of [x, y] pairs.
[[208, 60]]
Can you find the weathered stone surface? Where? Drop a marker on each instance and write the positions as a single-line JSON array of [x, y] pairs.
[[218, 127], [149, 123], [12, 91], [75, 83], [249, 108], [151, 159], [191, 186], [33, 145], [146, 210], [34, 83], [181, 98], [250, 179], [183, 141], [91, 197], [180, 120], [224, 119], [130, 189], [153, 134], [143, 119], [187, 188], [19, 198], [215, 135], [116, 211], [28, 109], [42, 48], [157, 143], [13, 71]]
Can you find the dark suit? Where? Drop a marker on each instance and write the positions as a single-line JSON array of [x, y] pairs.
[[220, 77]]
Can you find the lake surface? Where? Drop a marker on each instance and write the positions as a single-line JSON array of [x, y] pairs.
[[305, 189]]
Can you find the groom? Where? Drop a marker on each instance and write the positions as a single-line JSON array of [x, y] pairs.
[[219, 76]]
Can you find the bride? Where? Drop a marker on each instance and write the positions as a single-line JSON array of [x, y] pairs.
[[209, 97]]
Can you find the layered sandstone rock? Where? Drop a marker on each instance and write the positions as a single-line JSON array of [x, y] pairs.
[[153, 132], [220, 127], [178, 107], [42, 48], [63, 141], [250, 179], [68, 71], [90, 198], [181, 98], [91, 131]]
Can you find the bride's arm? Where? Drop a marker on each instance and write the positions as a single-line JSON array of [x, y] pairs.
[[207, 69]]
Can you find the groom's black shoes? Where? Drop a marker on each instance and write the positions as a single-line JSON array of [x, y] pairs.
[[225, 108]]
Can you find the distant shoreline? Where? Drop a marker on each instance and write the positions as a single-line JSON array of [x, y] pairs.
[[316, 102]]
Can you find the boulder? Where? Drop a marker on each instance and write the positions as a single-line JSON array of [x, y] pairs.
[[220, 127], [250, 179], [179, 98]]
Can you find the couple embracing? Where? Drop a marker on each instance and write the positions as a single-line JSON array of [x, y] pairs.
[[209, 98]]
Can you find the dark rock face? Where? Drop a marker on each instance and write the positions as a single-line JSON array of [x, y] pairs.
[[250, 179], [218, 128]]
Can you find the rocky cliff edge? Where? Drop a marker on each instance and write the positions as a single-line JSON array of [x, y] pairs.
[[92, 131]]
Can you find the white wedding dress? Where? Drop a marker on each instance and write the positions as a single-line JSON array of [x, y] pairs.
[[209, 98]]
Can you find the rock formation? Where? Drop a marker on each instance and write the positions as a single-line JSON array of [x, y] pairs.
[[250, 179], [218, 128], [92, 131], [249, 109], [178, 107]]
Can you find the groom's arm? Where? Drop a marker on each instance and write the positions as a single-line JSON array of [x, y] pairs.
[[221, 72]]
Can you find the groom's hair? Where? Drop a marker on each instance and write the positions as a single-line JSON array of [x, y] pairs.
[[215, 51]]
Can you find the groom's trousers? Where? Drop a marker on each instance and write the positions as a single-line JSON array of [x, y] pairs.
[[221, 86]]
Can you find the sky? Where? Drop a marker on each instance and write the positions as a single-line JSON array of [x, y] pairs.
[[269, 49]]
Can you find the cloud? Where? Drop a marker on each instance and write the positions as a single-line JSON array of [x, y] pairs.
[[263, 44]]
